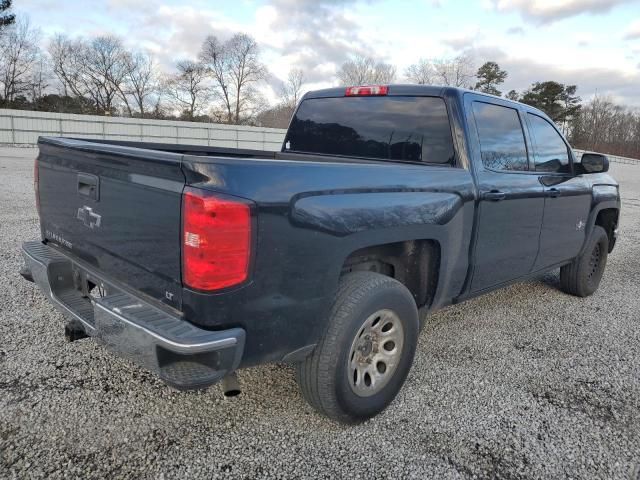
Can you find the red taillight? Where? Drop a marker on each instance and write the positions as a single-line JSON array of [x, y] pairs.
[[366, 91], [36, 184], [216, 240]]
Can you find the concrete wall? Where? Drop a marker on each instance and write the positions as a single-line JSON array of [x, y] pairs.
[[22, 127]]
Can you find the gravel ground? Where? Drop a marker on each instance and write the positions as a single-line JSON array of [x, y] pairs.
[[526, 382]]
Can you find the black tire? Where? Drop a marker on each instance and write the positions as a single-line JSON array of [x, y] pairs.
[[324, 376], [582, 276]]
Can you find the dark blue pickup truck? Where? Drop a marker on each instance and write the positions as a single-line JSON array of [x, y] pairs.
[[385, 201]]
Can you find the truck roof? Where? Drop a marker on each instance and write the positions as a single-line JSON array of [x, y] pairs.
[[408, 89], [394, 89]]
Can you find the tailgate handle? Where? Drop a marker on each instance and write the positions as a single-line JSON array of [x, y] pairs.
[[89, 186]]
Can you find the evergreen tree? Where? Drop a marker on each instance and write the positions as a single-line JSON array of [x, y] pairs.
[[513, 95], [489, 77], [6, 18], [557, 100]]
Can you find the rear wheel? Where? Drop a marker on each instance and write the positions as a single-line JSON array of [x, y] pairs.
[[365, 355], [582, 276]]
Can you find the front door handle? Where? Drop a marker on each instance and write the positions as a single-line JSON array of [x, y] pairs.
[[553, 193], [494, 196]]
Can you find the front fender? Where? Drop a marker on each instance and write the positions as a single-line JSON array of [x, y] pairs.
[[604, 197]]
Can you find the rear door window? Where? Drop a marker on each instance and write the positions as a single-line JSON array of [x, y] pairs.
[[550, 152], [501, 137], [414, 129]]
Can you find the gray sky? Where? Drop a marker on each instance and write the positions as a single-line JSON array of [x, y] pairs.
[[592, 43]]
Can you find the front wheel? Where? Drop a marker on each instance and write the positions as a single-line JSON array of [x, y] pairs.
[[364, 357], [582, 276]]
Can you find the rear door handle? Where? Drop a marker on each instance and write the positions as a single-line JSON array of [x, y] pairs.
[[494, 196], [553, 193]]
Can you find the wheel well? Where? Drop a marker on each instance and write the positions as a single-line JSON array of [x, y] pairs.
[[414, 263], [608, 219]]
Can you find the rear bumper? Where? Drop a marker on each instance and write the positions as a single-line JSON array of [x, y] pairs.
[[182, 355]]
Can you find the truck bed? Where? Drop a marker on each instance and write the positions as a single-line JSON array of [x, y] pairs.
[[307, 222]]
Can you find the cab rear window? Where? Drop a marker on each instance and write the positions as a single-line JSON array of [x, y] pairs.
[[412, 129]]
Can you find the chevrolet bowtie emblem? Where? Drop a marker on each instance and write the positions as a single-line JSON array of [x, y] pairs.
[[88, 217]]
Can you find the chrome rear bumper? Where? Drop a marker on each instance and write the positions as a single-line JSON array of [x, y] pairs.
[[181, 354]]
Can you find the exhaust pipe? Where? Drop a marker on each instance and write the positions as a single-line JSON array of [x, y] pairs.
[[26, 273], [230, 385], [73, 332]]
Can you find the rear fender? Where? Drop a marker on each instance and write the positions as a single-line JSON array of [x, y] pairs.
[[378, 218]]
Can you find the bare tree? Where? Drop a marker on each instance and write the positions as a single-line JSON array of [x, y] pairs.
[[67, 60], [40, 78], [291, 90], [455, 72], [141, 81], [214, 54], [422, 73], [96, 69], [246, 71], [275, 117], [365, 71], [105, 63], [603, 126], [19, 55], [236, 69], [189, 88]]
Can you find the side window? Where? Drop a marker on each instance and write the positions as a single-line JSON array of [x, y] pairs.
[[550, 151], [501, 138]]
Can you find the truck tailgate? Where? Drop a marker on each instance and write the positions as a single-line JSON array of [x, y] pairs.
[[116, 208]]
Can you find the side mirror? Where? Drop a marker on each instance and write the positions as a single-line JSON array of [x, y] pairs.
[[594, 163]]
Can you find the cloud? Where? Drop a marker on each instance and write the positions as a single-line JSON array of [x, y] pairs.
[[583, 39], [461, 41], [621, 86], [632, 32], [317, 36], [548, 11], [515, 31], [314, 35]]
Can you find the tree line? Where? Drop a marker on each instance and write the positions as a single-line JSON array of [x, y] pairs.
[[224, 84]]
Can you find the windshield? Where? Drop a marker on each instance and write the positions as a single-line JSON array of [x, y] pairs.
[[414, 129]]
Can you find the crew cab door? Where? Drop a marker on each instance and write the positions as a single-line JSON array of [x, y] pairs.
[[511, 197], [567, 196]]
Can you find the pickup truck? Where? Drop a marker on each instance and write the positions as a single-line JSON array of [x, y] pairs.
[[384, 204]]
